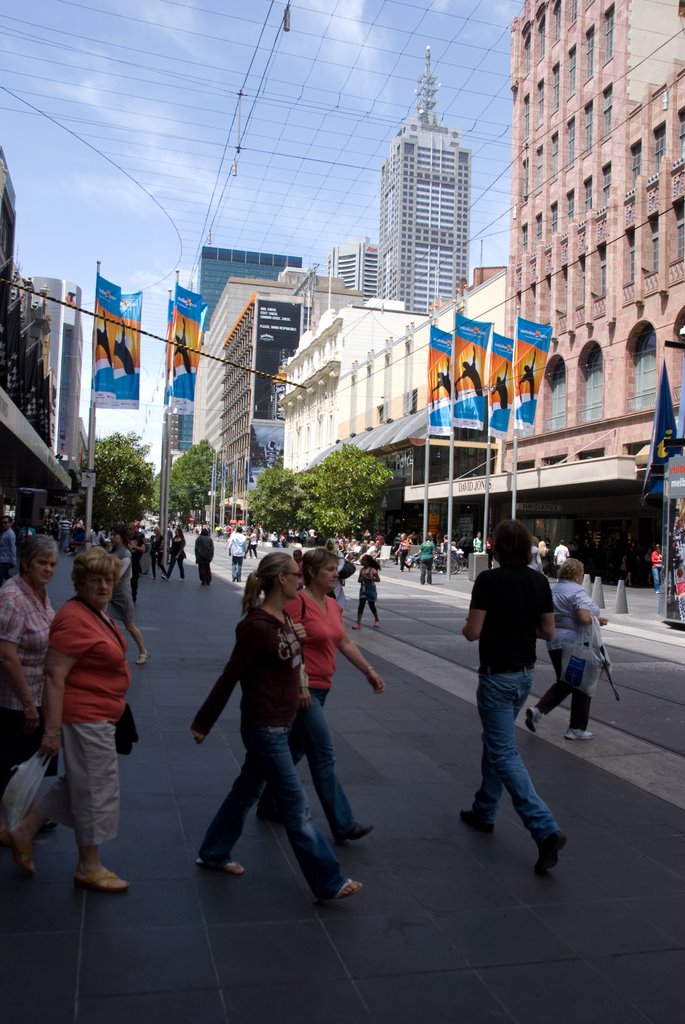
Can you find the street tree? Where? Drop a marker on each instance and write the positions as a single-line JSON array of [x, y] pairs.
[[190, 480], [276, 500], [124, 479], [343, 493]]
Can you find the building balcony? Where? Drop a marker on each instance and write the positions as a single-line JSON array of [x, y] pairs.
[[557, 422], [651, 282], [580, 315], [599, 306], [561, 322], [628, 292], [641, 401], [590, 414], [678, 180], [676, 271]]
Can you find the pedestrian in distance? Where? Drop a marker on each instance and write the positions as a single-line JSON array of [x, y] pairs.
[[324, 635], [510, 606], [204, 553], [368, 579], [237, 548], [8, 549], [657, 560], [426, 556], [137, 548], [267, 661], [177, 554], [157, 553], [573, 614], [403, 551], [121, 601]]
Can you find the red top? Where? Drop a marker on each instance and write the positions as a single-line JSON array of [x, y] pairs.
[[325, 631], [657, 558], [96, 685]]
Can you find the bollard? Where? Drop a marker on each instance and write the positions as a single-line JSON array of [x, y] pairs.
[[598, 592], [621, 599], [587, 584]]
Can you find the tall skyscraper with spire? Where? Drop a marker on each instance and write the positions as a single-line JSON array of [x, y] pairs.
[[424, 207]]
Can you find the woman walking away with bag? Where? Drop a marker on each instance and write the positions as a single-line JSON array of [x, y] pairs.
[[157, 553], [86, 680], [368, 578], [267, 661], [25, 617], [177, 554], [573, 614]]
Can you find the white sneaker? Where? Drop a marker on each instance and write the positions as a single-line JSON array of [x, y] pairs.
[[577, 734]]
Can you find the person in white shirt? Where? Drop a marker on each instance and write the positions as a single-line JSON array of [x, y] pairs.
[[237, 547], [560, 554]]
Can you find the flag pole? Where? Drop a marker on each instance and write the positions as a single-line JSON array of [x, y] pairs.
[[91, 422], [450, 463], [515, 449], [166, 441]]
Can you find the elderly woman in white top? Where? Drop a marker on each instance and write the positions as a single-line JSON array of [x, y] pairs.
[[573, 614]]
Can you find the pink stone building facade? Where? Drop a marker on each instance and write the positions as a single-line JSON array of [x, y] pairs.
[[597, 247]]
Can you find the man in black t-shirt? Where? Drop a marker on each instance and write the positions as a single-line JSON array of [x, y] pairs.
[[510, 607]]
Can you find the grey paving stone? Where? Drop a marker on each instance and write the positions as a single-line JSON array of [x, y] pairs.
[[505, 935], [335, 1002], [439, 997], [125, 960], [408, 943], [652, 981], [287, 951], [194, 1007]]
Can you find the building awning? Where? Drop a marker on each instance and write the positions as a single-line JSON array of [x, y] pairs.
[[641, 457], [26, 459], [383, 439]]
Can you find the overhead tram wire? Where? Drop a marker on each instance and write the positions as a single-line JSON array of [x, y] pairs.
[[109, 160], [149, 334]]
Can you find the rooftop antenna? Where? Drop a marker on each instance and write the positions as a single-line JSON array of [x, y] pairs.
[[428, 86]]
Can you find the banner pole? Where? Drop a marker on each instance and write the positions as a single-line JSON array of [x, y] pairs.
[[515, 454], [450, 461], [91, 425]]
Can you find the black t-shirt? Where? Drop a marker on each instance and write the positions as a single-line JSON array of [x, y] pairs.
[[514, 600]]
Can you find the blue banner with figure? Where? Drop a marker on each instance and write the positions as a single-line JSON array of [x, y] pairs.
[[116, 370], [107, 325], [471, 338], [439, 383], [186, 337], [500, 384], [531, 348], [663, 429]]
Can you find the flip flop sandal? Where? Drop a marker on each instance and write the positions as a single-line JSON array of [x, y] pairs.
[[350, 888], [102, 881], [142, 658], [23, 855]]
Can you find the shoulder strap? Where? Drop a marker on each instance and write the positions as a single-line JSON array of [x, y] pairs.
[[103, 618]]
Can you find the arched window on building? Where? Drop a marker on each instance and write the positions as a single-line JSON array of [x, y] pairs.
[[644, 372], [594, 385], [557, 396]]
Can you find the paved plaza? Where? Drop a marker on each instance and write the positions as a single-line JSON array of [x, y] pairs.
[[452, 925]]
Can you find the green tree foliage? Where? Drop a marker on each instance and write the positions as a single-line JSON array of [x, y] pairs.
[[123, 489], [276, 500], [190, 481], [343, 493]]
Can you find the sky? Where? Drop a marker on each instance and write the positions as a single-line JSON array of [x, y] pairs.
[[121, 124]]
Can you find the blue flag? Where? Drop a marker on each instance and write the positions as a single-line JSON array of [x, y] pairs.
[[663, 429]]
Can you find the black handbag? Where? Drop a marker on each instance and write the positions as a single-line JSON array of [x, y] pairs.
[[125, 732]]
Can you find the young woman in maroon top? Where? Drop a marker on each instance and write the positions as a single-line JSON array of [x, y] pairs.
[[267, 661]]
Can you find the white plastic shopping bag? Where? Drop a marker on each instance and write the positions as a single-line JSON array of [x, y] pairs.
[[22, 788]]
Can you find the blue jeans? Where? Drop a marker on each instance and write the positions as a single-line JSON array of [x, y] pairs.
[[268, 759], [237, 568], [500, 697], [656, 576], [311, 738]]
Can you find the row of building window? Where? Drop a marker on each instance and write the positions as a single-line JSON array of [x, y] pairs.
[[541, 48], [644, 384]]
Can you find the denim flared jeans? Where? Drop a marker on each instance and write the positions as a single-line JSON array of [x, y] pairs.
[[268, 759], [500, 697]]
